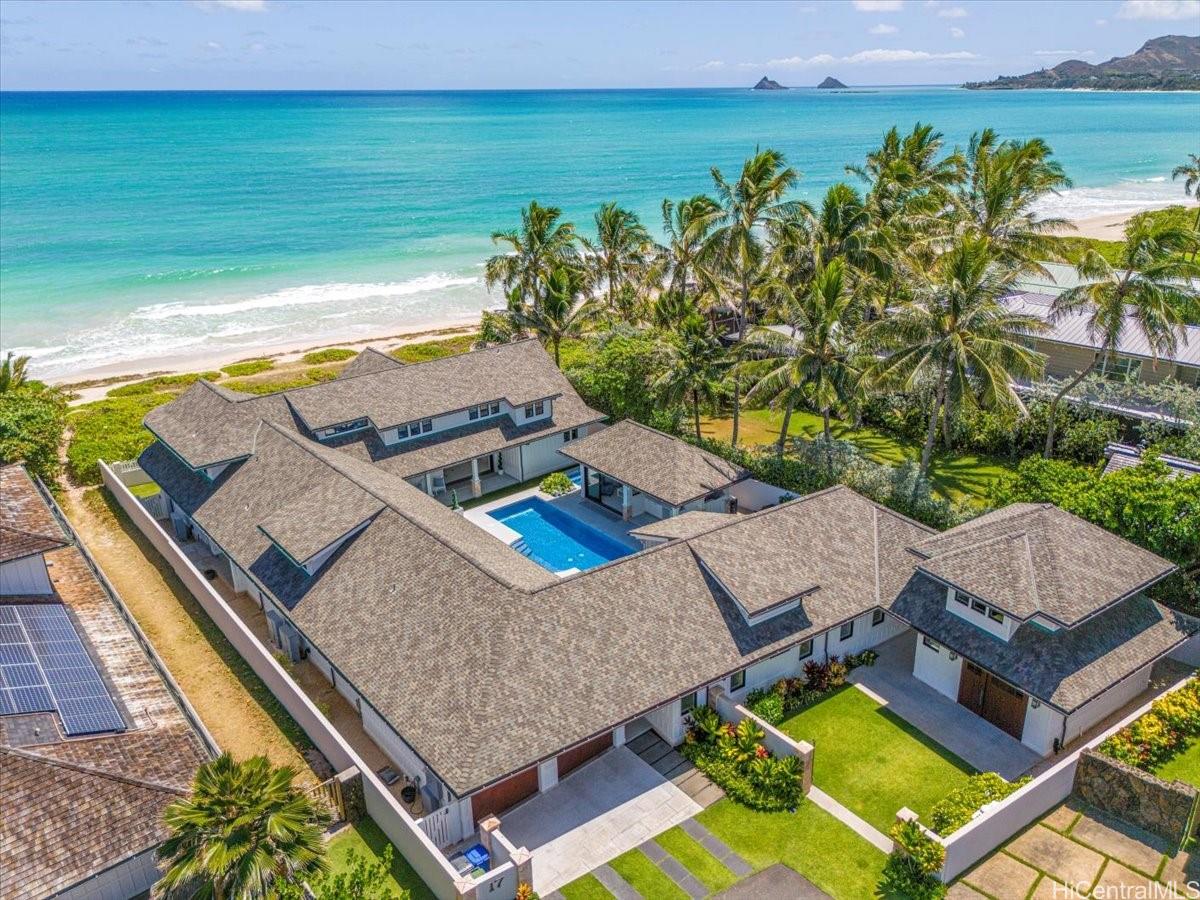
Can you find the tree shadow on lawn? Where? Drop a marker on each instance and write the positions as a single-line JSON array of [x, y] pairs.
[[246, 676], [372, 836]]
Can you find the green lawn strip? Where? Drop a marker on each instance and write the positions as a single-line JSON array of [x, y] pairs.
[[149, 489], [586, 888], [366, 839], [706, 867], [810, 840], [1183, 767], [873, 761], [646, 878]]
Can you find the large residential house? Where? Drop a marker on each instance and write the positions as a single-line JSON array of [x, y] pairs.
[[94, 740], [486, 677]]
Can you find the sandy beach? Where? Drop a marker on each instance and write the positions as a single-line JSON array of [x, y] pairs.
[[1104, 228]]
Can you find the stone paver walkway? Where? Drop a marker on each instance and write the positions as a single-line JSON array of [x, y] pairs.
[[657, 753], [717, 848]]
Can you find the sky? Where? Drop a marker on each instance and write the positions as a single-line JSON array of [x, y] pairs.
[[298, 44]]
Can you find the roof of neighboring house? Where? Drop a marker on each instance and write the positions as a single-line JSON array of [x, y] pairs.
[[520, 373], [26, 524], [1072, 329], [1065, 668], [654, 463], [685, 525], [370, 362], [1034, 558], [75, 807], [1122, 456]]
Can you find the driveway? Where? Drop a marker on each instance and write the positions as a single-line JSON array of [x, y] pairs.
[[977, 741], [602, 809]]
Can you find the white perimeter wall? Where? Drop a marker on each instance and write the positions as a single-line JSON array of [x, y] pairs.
[[937, 669], [753, 494], [1107, 703], [25, 576], [124, 880]]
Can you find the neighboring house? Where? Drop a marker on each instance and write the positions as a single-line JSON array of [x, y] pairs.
[[1122, 456], [94, 743], [635, 470], [488, 677]]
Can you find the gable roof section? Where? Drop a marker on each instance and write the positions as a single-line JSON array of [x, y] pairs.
[[370, 362], [205, 425], [685, 525], [654, 463], [1034, 558], [26, 524], [308, 524], [519, 373]]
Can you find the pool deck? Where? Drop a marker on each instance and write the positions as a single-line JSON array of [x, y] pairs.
[[573, 504]]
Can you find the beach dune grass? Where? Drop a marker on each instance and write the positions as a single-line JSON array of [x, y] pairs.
[[427, 350], [871, 760], [248, 367], [328, 355]]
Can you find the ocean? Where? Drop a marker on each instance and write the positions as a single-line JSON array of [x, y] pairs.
[[139, 228]]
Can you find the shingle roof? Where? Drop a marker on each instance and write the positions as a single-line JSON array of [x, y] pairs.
[[205, 425], [1065, 668], [312, 521], [684, 525], [519, 373], [370, 362], [652, 462], [1123, 456], [1031, 559], [26, 524]]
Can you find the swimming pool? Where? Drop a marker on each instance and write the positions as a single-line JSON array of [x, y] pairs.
[[555, 539]]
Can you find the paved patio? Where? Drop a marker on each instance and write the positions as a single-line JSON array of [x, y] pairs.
[[980, 743], [604, 808]]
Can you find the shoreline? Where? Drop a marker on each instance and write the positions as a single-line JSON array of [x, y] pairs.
[[1108, 227]]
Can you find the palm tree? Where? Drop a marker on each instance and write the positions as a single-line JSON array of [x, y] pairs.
[[534, 250], [1149, 292], [736, 247], [695, 363], [12, 372], [245, 828], [1004, 179], [621, 251], [819, 363], [559, 315], [687, 225], [955, 333], [1190, 172]]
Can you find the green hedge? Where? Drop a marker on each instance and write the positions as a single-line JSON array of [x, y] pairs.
[[960, 806]]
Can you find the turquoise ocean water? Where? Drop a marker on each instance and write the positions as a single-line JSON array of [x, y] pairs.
[[136, 228]]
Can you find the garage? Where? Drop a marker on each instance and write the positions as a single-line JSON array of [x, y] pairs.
[[572, 759], [993, 699], [504, 794]]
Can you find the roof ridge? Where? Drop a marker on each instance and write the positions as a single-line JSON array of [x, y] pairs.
[[36, 534], [1033, 579], [92, 771], [875, 537]]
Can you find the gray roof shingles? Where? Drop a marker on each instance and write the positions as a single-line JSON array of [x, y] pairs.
[[370, 362], [657, 464]]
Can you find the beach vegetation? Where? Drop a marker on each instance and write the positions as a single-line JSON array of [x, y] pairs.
[[427, 350], [328, 355], [283, 381], [12, 372], [531, 252], [696, 364], [1190, 173], [110, 429], [248, 367], [171, 383], [560, 313], [32, 419], [620, 256]]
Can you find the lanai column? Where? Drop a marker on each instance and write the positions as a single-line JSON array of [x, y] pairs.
[[626, 502], [429, 483], [476, 485]]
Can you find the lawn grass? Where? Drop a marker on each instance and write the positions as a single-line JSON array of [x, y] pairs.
[[504, 491], [142, 491], [365, 839], [646, 878], [955, 476], [586, 888], [1183, 767], [706, 867], [810, 840], [871, 760]]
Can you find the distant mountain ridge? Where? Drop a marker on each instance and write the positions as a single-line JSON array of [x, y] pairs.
[[1167, 63]]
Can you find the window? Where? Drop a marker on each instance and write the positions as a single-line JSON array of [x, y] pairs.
[[1122, 368], [847, 631], [979, 607], [495, 408], [688, 703], [535, 409], [806, 649], [737, 680], [877, 618], [347, 426], [960, 597], [931, 645], [401, 431], [570, 435], [427, 426], [995, 615], [483, 411]]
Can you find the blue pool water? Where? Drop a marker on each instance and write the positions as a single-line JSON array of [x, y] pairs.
[[557, 540]]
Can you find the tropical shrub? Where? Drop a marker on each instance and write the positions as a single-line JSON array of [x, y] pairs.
[[328, 355], [32, 419], [613, 373], [768, 705], [735, 759], [363, 878], [928, 854], [705, 723], [903, 877], [556, 484], [1165, 731], [110, 429], [959, 807]]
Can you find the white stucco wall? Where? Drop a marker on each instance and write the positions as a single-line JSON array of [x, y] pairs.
[[1107, 703], [865, 635], [1043, 726], [782, 665], [392, 744], [937, 669], [25, 576], [668, 722], [753, 494]]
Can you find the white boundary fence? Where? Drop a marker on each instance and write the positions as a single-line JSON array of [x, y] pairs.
[[402, 830]]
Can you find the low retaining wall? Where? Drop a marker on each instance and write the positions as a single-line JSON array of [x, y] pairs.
[[414, 845], [1164, 808], [773, 739]]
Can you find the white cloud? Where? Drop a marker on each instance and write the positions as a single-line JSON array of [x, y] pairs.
[[879, 55], [1100, 23], [1159, 9], [881, 28], [235, 5], [956, 32], [878, 5], [712, 64], [213, 45], [1065, 53], [952, 12]]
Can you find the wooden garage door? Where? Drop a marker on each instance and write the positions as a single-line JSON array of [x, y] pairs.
[[504, 794], [577, 756], [992, 699]]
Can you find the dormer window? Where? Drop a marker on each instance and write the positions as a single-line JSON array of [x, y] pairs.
[[412, 429], [346, 426], [484, 410], [960, 597], [535, 409]]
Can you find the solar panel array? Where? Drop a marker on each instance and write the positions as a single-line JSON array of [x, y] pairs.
[[45, 668]]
